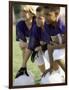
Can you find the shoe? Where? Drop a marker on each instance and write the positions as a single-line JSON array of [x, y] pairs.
[[33, 56], [21, 72]]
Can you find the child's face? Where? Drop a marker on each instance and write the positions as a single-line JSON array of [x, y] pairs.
[[40, 19], [26, 14], [51, 17]]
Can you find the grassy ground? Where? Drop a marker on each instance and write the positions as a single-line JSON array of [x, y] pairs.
[[17, 59]]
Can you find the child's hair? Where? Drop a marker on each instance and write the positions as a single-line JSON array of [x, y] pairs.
[[39, 9], [50, 8], [28, 8]]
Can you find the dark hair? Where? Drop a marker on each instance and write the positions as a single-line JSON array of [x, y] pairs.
[[39, 9], [52, 8]]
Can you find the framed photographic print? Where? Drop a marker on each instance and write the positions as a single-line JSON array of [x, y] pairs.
[[37, 44]]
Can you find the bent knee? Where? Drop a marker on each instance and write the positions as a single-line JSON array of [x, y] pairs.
[[22, 48], [55, 65]]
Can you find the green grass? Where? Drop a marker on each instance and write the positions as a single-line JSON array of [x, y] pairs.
[[17, 59]]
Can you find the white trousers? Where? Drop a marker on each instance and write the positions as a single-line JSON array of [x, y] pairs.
[[43, 58]]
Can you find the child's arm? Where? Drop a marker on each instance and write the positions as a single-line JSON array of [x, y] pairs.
[[50, 52], [60, 43]]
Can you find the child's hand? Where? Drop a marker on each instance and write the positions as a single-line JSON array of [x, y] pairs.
[[23, 44], [55, 39], [42, 42], [38, 49], [46, 71], [53, 45]]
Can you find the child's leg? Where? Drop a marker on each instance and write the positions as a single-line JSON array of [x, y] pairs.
[[61, 63], [25, 56], [50, 52], [59, 55], [23, 46], [40, 62], [42, 68], [55, 65]]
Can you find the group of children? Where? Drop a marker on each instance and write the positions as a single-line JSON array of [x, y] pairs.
[[41, 35]]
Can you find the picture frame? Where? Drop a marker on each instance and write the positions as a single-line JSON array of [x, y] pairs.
[[11, 44]]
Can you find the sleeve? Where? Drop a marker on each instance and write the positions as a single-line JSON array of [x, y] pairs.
[[20, 34], [46, 37], [34, 39], [62, 27], [32, 43]]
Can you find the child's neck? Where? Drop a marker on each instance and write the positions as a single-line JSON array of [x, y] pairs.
[[53, 23], [43, 26], [29, 23]]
